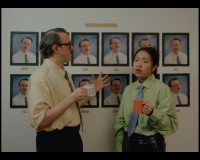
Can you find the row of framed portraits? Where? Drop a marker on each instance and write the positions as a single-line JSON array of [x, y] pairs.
[[18, 89], [29, 41]]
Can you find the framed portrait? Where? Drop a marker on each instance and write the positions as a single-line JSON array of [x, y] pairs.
[[140, 40], [18, 90], [24, 48], [175, 49], [86, 49], [115, 49], [80, 80], [41, 58], [134, 78], [112, 95], [179, 85]]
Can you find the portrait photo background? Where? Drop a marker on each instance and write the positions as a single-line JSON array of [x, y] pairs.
[[99, 132]]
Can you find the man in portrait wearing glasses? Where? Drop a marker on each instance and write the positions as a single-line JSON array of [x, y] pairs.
[[115, 57], [115, 97], [176, 56], [53, 102], [175, 87], [85, 57], [93, 100], [144, 42], [21, 98], [24, 56]]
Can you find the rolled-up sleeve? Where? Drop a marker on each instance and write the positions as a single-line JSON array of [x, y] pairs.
[[164, 118], [39, 100]]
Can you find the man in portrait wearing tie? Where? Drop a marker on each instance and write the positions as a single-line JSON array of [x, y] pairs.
[[176, 56], [91, 101], [21, 98], [115, 97], [175, 87], [85, 57], [24, 56], [115, 57]]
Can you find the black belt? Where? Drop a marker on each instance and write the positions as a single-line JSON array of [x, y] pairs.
[[65, 129], [143, 137]]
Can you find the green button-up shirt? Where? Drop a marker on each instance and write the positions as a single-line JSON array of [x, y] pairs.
[[163, 119]]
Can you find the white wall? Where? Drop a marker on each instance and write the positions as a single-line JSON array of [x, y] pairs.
[[98, 135]]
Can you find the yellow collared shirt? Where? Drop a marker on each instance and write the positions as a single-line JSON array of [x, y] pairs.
[[47, 87]]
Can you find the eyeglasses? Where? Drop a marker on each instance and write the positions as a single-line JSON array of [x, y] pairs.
[[85, 46], [116, 43], [116, 85], [175, 45], [177, 85], [67, 44], [24, 85], [28, 44]]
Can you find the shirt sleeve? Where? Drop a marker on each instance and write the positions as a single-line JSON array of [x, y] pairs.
[[164, 118], [119, 127], [39, 100]]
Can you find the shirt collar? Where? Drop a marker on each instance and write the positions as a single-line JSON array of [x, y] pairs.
[[147, 83], [21, 95], [114, 95], [22, 53], [175, 55], [114, 54], [84, 55], [54, 66]]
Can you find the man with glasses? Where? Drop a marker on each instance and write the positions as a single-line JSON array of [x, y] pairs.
[[176, 56], [115, 57], [175, 87], [24, 56], [21, 98], [115, 97], [85, 57], [53, 102], [144, 42]]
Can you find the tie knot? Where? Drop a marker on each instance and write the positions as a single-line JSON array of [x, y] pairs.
[[141, 88]]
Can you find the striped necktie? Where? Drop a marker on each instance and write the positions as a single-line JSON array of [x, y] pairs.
[[77, 104], [25, 101], [178, 60], [26, 59], [179, 101], [118, 100], [89, 103], [134, 117], [117, 58], [88, 60]]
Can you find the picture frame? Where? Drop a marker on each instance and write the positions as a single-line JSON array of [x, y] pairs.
[[182, 90], [140, 40], [109, 93], [21, 43], [134, 78], [85, 43], [18, 90], [117, 42], [41, 58], [77, 80], [174, 44]]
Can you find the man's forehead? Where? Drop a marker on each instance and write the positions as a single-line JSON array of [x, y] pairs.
[[115, 81], [26, 39], [23, 81], [115, 39], [174, 81], [175, 41], [84, 42]]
